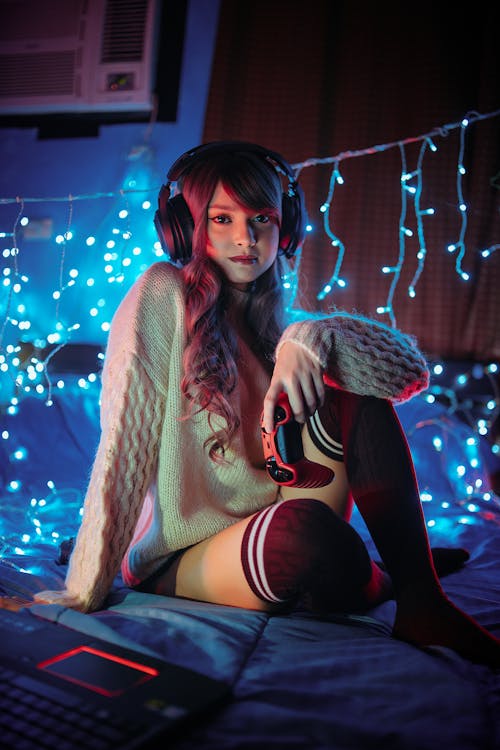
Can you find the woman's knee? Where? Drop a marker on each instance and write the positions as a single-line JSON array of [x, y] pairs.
[[337, 420], [289, 547]]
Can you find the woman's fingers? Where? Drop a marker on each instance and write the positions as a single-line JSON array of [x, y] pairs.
[[298, 375]]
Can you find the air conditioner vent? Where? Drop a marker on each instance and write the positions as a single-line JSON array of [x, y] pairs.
[[64, 56], [40, 74], [123, 33]]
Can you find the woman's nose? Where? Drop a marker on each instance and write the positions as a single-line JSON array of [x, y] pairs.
[[245, 235]]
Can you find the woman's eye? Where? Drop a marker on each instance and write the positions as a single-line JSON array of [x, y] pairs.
[[262, 218], [220, 219]]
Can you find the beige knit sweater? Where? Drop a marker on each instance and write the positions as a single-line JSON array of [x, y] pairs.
[[152, 489]]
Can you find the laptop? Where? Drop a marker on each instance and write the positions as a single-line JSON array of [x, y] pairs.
[[59, 687]]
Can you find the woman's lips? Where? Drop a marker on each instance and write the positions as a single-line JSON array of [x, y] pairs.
[[246, 260]]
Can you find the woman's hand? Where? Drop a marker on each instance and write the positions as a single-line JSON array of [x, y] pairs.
[[300, 376], [64, 598], [14, 603]]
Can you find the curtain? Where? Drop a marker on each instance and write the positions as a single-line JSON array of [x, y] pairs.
[[336, 77]]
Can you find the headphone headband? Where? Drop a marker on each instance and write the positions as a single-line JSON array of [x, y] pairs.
[[173, 220], [182, 165]]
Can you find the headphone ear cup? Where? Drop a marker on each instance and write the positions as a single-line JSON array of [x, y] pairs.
[[175, 225], [292, 224]]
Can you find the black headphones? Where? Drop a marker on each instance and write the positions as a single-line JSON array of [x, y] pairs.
[[174, 223]]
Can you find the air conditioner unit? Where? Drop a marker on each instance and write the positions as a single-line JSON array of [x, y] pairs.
[[73, 56]]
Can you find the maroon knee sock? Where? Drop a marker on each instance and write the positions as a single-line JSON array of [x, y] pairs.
[[301, 549]]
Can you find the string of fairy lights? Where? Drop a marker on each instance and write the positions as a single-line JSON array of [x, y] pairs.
[[411, 185], [95, 269]]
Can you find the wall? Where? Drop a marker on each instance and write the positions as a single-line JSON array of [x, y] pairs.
[[79, 186]]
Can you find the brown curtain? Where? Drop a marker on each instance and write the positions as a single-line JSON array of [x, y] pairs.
[[326, 77]]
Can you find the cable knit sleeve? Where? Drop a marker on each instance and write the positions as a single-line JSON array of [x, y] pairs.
[[131, 416], [363, 356]]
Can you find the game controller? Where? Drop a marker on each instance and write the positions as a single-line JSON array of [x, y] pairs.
[[284, 453]]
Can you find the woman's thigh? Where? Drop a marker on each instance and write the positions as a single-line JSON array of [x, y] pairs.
[[212, 571], [336, 494]]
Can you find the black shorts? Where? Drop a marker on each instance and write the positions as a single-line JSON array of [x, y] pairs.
[[163, 580]]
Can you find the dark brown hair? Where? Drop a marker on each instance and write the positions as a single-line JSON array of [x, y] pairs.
[[210, 372]]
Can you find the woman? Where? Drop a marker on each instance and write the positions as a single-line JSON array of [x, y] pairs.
[[179, 493]]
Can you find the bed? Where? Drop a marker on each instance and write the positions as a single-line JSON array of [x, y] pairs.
[[296, 681]]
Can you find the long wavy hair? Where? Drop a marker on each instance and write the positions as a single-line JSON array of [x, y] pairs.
[[210, 371]]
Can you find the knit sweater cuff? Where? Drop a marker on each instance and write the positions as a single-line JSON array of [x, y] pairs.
[[362, 356]]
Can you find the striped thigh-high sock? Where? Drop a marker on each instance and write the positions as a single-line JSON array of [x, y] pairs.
[[301, 549]]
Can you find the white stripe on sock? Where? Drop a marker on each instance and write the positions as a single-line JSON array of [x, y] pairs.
[[323, 437], [256, 547]]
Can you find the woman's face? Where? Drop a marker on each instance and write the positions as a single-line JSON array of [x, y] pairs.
[[242, 242]]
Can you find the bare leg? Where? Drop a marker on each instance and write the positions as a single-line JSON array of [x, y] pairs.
[[211, 571], [295, 552]]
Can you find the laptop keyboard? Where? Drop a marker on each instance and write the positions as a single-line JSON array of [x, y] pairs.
[[34, 715]]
